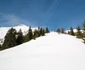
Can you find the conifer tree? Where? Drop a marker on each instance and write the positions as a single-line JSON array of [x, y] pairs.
[[10, 39], [84, 31], [62, 30], [79, 33], [43, 32], [38, 28], [47, 30], [72, 32], [39, 31], [59, 31], [30, 34], [20, 39], [69, 32], [35, 35], [26, 37], [0, 46]]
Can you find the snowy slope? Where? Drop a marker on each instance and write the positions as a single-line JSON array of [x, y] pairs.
[[4, 30], [51, 52], [24, 28]]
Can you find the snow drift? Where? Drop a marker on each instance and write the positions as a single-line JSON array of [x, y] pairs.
[[51, 52]]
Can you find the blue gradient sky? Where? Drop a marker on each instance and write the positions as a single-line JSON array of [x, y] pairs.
[[51, 13]]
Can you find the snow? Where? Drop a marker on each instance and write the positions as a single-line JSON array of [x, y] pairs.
[[51, 52], [3, 31]]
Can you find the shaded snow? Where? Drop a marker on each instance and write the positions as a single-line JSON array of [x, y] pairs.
[[51, 52]]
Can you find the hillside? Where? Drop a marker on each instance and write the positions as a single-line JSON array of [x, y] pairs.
[[51, 52], [4, 30]]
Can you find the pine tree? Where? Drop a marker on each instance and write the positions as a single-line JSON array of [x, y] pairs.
[[20, 39], [62, 30], [26, 37], [43, 32], [39, 31], [0, 46], [35, 35], [30, 33], [69, 32], [79, 33], [38, 28], [59, 31], [72, 32], [84, 31], [47, 30], [10, 39]]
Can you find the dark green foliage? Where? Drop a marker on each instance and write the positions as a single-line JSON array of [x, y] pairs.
[[47, 30], [59, 31], [39, 31], [72, 32], [84, 26], [79, 33], [26, 38], [20, 39], [84, 31], [33, 35], [36, 34], [69, 32], [0, 46], [30, 34], [43, 32], [38, 28], [62, 30], [10, 39]]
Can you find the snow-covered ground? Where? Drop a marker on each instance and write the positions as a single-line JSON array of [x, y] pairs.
[[51, 52]]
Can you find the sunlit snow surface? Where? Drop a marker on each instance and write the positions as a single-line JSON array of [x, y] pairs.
[[51, 52]]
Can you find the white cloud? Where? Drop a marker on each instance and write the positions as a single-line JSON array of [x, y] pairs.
[[12, 20]]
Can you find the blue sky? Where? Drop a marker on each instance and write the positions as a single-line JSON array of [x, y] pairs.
[[51, 13]]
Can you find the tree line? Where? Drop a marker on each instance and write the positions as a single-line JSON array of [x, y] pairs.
[[79, 34], [14, 38]]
